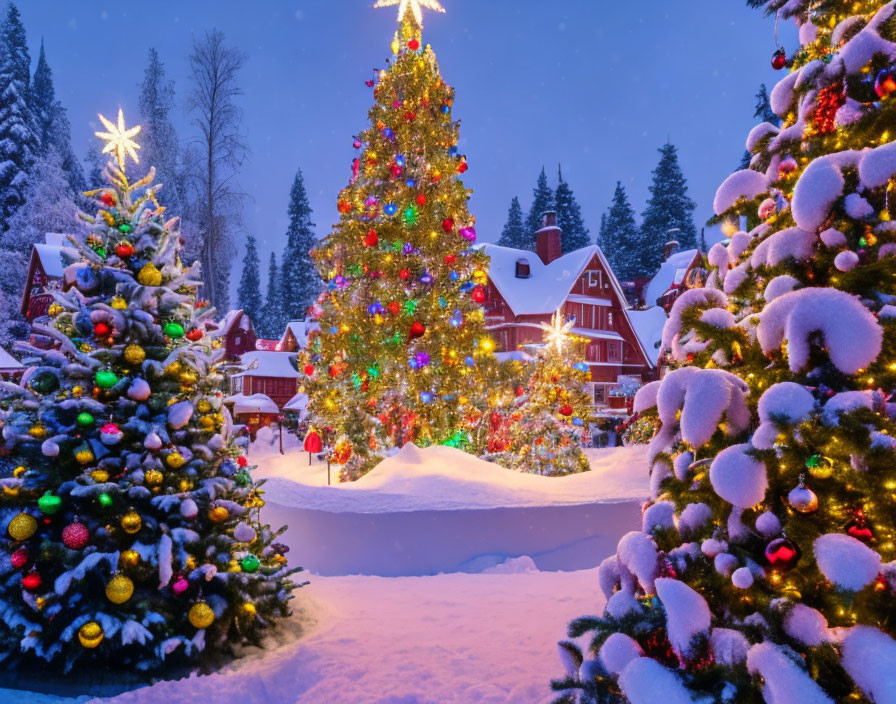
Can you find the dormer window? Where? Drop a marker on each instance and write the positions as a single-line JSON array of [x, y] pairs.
[[594, 278], [523, 271]]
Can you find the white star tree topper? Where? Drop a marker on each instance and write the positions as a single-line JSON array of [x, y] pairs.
[[119, 139], [414, 5], [558, 332]]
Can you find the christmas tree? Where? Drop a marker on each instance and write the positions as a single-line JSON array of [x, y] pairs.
[[402, 330], [543, 430], [669, 214], [765, 569], [131, 526]]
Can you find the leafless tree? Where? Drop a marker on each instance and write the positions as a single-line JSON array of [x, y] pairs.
[[221, 148]]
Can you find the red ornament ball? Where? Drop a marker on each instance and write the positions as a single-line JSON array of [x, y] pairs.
[[404, 274], [396, 170], [859, 528], [101, 329], [450, 259], [242, 461], [448, 224], [195, 335], [421, 199], [309, 370], [31, 581], [413, 45], [520, 391], [75, 536], [885, 83], [418, 329], [394, 308], [344, 206], [19, 558], [566, 410], [372, 239], [124, 250], [462, 166], [781, 554], [107, 199], [779, 60], [479, 294]]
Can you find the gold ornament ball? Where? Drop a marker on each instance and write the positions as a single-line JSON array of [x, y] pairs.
[[188, 377], [38, 432], [149, 275], [175, 460], [91, 634], [201, 615], [118, 303], [206, 423], [173, 370], [22, 526], [153, 477], [249, 608], [54, 310], [824, 470], [77, 391], [218, 514], [119, 589], [100, 476], [203, 406], [134, 355], [131, 522], [129, 558], [186, 484], [84, 455]]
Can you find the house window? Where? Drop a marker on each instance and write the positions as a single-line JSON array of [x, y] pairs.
[[610, 319], [594, 278], [614, 351]]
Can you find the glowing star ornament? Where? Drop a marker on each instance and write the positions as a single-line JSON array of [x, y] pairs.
[[119, 139], [558, 331], [415, 6]]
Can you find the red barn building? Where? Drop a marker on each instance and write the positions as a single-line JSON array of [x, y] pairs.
[[273, 374], [679, 272], [45, 270], [237, 334], [525, 289]]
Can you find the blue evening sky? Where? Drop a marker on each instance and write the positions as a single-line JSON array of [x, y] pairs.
[[597, 86]]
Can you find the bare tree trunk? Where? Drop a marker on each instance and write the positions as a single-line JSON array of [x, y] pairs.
[[218, 121]]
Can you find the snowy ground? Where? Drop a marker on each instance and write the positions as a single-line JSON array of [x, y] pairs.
[[484, 634]]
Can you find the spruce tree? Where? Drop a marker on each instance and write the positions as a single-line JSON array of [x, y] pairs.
[[18, 143], [52, 128], [764, 569], [569, 217], [271, 323], [542, 200], [131, 526], [402, 334], [249, 292], [669, 213], [514, 234], [620, 238], [300, 282], [764, 113]]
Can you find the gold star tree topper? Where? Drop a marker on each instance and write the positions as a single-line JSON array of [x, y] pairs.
[[558, 332], [415, 6], [119, 139]]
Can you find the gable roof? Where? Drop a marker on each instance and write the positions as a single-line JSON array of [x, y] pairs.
[[256, 403], [549, 285], [279, 365], [648, 325], [300, 330], [8, 362], [671, 272], [53, 258]]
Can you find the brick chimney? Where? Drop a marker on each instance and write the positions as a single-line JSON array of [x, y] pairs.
[[547, 239], [670, 248]]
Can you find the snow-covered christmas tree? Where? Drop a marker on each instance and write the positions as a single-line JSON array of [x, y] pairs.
[[131, 527], [765, 569], [401, 327]]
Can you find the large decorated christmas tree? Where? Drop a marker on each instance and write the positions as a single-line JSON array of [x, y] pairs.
[[765, 570], [401, 328], [131, 528]]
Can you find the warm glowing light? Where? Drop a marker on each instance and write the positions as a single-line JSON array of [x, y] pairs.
[[118, 139], [413, 5], [558, 331]]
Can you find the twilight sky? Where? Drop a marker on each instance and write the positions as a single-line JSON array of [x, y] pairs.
[[594, 85]]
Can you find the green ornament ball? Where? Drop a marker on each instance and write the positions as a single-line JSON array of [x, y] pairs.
[[85, 418], [105, 379], [250, 563], [173, 330], [49, 504], [125, 228], [105, 500]]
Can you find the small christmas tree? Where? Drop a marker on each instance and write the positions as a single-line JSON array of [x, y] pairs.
[[542, 432], [401, 327], [765, 567], [130, 521]]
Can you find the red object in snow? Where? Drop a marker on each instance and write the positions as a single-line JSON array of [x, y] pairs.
[[313, 443], [242, 461]]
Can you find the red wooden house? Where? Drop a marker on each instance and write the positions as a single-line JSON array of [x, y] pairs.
[[679, 272], [237, 334], [525, 289], [273, 374], [45, 271]]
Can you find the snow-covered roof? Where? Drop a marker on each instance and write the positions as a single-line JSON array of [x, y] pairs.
[[51, 258], [7, 361], [300, 330], [671, 272], [256, 403], [514, 356], [548, 284], [228, 322], [270, 364], [298, 403], [648, 325]]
